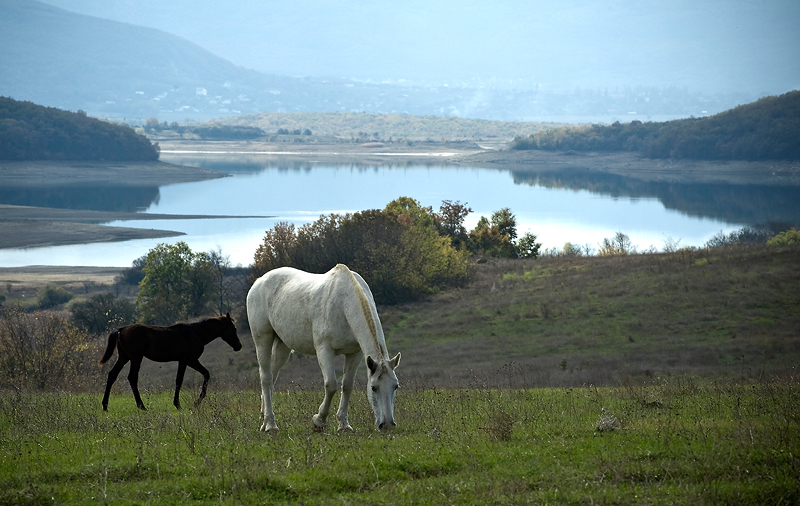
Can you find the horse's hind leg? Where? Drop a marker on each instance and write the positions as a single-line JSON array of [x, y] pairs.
[[178, 383], [280, 355], [133, 379], [197, 366], [112, 377]]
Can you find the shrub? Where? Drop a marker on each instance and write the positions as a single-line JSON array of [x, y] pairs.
[[620, 244], [134, 274], [41, 350], [791, 236], [51, 295], [102, 313]]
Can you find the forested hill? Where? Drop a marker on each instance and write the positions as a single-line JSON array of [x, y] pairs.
[[768, 129], [33, 132]]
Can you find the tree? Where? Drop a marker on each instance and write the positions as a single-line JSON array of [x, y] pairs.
[[505, 222], [450, 222], [177, 284], [527, 247], [495, 238]]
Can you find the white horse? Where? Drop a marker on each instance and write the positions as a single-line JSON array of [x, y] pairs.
[[324, 315]]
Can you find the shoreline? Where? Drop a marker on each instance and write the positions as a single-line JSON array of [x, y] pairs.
[[30, 227]]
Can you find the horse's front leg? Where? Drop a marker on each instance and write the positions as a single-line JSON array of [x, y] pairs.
[[351, 363], [197, 366], [263, 343], [325, 357], [178, 383]]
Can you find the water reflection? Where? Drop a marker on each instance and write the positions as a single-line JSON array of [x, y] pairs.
[[91, 197], [751, 204]]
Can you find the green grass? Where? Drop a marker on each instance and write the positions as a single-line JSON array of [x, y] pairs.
[[677, 443]]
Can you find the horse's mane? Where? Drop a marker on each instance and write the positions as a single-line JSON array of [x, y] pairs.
[[365, 308]]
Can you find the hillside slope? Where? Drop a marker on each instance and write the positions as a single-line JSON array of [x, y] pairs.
[[768, 129], [33, 132]]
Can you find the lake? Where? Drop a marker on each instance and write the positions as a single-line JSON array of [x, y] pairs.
[[558, 207]]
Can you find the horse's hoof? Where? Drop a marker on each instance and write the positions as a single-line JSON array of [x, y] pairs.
[[105, 408], [318, 425], [273, 430], [346, 428], [318, 429]]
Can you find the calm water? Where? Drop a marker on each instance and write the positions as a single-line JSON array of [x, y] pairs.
[[555, 207]]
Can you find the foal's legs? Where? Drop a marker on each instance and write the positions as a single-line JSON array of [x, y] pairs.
[[133, 379], [351, 363], [195, 364], [325, 357], [122, 359], [178, 383]]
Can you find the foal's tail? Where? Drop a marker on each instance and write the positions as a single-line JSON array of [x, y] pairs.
[[112, 344]]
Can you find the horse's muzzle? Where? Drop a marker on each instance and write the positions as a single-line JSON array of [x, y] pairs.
[[385, 426]]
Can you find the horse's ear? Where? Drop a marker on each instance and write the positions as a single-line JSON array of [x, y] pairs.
[[393, 363], [228, 316], [371, 365]]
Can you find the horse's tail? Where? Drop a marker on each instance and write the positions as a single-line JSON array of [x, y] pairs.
[[112, 345]]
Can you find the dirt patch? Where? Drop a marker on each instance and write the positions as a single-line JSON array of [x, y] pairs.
[[39, 275]]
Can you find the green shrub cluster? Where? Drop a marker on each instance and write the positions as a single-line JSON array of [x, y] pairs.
[[397, 250], [34, 132], [50, 296], [766, 129]]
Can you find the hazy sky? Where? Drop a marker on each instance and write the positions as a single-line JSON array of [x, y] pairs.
[[743, 45]]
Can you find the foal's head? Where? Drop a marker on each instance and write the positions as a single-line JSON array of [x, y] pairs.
[[381, 388], [228, 332]]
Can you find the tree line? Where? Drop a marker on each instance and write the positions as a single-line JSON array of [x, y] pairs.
[[210, 131], [768, 129], [34, 132]]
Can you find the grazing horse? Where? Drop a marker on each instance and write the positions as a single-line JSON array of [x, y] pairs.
[[324, 315], [182, 342]]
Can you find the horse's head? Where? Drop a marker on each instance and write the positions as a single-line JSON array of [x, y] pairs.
[[229, 334], [381, 387]]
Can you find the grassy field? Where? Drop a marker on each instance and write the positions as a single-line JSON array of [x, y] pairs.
[[641, 379], [669, 442]]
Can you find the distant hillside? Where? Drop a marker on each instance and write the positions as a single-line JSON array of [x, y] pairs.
[[384, 126], [33, 132], [768, 129], [110, 69]]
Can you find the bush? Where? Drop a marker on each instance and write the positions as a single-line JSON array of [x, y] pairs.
[[42, 350], [102, 313], [620, 244], [134, 274], [745, 235], [398, 250], [791, 236], [50, 296]]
